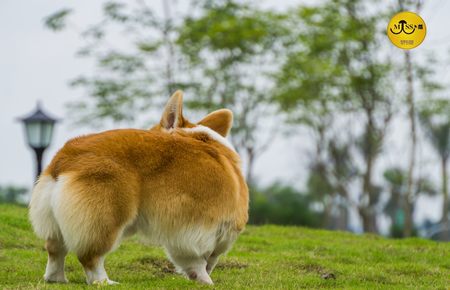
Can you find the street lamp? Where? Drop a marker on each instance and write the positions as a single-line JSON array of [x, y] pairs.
[[38, 131]]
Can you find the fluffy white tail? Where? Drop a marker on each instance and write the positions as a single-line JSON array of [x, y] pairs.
[[41, 210]]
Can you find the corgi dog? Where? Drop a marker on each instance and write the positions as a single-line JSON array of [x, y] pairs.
[[179, 184]]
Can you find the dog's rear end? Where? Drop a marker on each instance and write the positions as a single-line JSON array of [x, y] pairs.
[[82, 213], [181, 186]]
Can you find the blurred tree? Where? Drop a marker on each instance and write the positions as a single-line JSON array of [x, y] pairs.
[[420, 81], [131, 76], [278, 204], [11, 194], [321, 190], [435, 118], [329, 181], [408, 68], [397, 187], [334, 64], [230, 48]]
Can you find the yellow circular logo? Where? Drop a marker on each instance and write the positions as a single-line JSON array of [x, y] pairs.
[[406, 30]]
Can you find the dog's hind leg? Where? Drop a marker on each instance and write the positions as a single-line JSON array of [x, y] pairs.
[[223, 244], [93, 211], [189, 248], [194, 267], [46, 227], [95, 269], [54, 272]]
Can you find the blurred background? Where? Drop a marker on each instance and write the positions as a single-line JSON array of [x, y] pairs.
[[336, 127]]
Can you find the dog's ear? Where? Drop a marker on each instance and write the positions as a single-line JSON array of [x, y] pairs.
[[220, 121], [173, 112]]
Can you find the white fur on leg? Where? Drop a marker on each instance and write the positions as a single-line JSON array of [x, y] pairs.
[[212, 262], [198, 272], [193, 267], [54, 272], [224, 243], [98, 274]]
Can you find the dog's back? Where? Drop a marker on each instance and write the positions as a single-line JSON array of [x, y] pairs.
[[182, 188]]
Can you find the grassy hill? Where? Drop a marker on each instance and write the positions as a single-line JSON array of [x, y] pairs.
[[264, 257]]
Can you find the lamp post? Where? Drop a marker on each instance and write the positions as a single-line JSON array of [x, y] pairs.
[[38, 131]]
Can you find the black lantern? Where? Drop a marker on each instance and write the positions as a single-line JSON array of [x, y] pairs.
[[39, 130]]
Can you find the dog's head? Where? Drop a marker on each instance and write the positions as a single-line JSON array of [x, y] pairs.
[[216, 125]]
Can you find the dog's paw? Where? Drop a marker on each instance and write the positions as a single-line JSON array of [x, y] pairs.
[[105, 282], [55, 279]]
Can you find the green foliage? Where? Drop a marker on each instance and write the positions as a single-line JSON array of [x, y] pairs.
[[116, 99], [332, 61], [11, 194], [435, 118], [265, 257], [334, 68], [230, 48], [396, 186], [114, 11], [318, 184], [128, 79], [237, 31], [57, 20], [282, 205], [397, 180]]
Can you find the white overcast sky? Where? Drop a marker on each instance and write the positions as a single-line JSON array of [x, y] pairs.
[[36, 64]]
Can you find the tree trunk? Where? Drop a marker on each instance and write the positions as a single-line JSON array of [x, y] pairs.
[[326, 222], [368, 220], [409, 197], [367, 211], [169, 47], [250, 162], [444, 218], [343, 218]]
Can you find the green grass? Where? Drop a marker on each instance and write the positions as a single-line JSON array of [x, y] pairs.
[[264, 257]]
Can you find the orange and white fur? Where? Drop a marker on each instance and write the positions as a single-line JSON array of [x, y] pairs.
[[179, 184]]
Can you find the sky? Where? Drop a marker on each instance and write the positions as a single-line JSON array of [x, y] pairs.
[[37, 64]]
